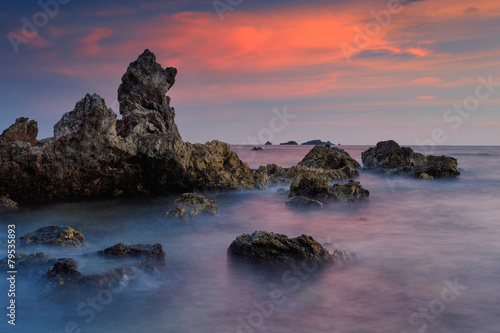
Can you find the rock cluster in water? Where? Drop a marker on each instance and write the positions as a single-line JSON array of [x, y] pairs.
[[278, 250], [192, 204], [390, 157], [92, 154], [330, 163], [61, 276]]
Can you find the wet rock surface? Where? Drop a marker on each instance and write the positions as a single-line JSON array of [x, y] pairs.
[[54, 236], [192, 204], [278, 250], [390, 157]]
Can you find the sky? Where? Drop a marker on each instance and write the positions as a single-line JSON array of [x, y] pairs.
[[350, 71]]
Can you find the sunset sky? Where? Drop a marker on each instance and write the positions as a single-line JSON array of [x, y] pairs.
[[401, 79]]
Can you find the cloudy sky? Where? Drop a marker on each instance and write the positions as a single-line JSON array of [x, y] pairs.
[[354, 72]]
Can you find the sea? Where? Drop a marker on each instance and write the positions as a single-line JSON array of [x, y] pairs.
[[428, 250]]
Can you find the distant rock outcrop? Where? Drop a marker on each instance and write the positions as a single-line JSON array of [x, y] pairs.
[[92, 154], [289, 143], [389, 156], [316, 142], [269, 143], [278, 250]]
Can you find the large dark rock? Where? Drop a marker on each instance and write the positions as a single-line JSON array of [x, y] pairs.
[[192, 204], [389, 156], [22, 130], [54, 235], [278, 250], [94, 155]]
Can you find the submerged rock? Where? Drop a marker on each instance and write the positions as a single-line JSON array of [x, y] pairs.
[[153, 255], [192, 204], [389, 156], [64, 270], [278, 250], [54, 235], [7, 205], [352, 191], [303, 201], [257, 149]]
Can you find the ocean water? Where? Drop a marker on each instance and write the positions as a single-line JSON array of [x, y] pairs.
[[429, 259]]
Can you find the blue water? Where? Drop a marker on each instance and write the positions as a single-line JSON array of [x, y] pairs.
[[414, 239]]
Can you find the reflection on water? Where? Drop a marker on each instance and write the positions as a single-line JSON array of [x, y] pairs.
[[413, 238]]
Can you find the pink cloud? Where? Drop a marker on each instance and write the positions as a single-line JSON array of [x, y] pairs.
[[89, 45]]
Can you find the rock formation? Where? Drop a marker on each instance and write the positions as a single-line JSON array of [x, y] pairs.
[[389, 157], [311, 190], [192, 204], [94, 155], [53, 235], [278, 250], [21, 131]]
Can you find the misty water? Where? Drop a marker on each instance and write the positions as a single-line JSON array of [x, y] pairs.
[[429, 256]]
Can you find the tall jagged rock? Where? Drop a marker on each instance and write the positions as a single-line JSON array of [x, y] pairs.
[[93, 154], [143, 104]]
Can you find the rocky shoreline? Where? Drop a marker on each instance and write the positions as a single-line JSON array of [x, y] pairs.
[[94, 155]]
